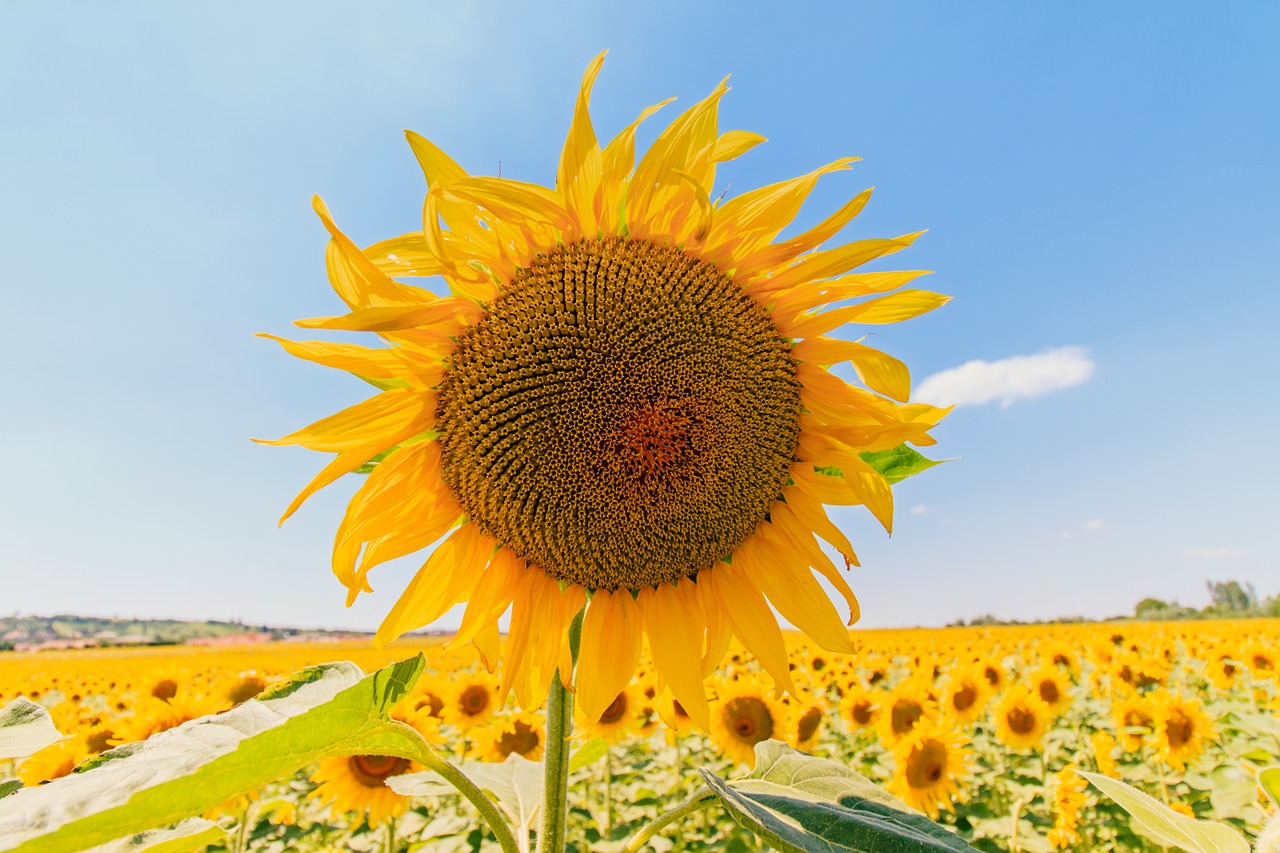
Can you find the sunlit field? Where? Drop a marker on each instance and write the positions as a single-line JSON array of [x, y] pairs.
[[977, 726]]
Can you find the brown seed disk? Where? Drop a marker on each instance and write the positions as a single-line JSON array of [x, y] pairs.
[[623, 415]]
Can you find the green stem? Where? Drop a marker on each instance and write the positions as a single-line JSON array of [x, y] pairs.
[[391, 834], [555, 800], [242, 839], [700, 800], [498, 824], [608, 793]]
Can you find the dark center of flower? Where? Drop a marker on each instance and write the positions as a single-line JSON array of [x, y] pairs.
[[862, 713], [1049, 691], [1178, 729], [992, 675], [807, 727], [246, 688], [372, 771], [473, 700], [623, 414], [1137, 719], [748, 719], [617, 708], [433, 703], [521, 739], [1021, 719], [904, 714], [927, 764], [165, 689], [963, 699]]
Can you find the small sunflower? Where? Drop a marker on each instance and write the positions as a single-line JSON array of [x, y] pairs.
[[806, 726], [1104, 746], [626, 393], [1134, 721], [967, 694], [905, 707], [54, 761], [358, 783], [931, 764], [861, 707], [472, 702], [1022, 718], [520, 733], [1068, 798], [621, 719], [1181, 728], [1053, 687], [742, 716]]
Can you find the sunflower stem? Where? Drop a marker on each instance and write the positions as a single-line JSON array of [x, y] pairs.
[[391, 834], [608, 793], [555, 805], [700, 800], [488, 809]]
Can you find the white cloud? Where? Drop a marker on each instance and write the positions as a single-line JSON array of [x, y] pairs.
[[1212, 553], [1093, 524], [1016, 378], [919, 509]]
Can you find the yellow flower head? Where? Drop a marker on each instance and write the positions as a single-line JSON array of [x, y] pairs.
[[621, 718], [931, 764], [520, 733], [903, 708], [860, 707], [1053, 687], [744, 715], [625, 394], [1022, 718], [358, 783], [1133, 716], [966, 694], [472, 701], [1181, 728]]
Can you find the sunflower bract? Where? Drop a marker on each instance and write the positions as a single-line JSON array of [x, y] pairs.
[[625, 398]]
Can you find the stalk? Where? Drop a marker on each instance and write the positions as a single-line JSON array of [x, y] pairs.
[[700, 800], [555, 803]]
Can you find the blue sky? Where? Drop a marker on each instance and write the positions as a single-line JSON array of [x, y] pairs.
[[1099, 183]]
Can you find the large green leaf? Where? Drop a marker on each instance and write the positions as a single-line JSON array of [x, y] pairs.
[[191, 834], [25, 729], [801, 804], [516, 784], [1154, 820], [332, 709], [899, 463]]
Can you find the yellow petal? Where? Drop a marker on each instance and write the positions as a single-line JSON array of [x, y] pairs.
[[880, 372], [673, 622], [791, 588], [355, 278], [786, 531], [732, 144], [787, 305], [438, 168], [445, 578], [865, 483], [580, 161], [508, 199], [488, 643], [404, 255], [750, 618], [610, 650], [616, 163], [388, 319], [893, 308], [344, 463], [811, 515], [362, 361], [492, 596], [388, 418], [773, 256], [718, 631], [830, 262]]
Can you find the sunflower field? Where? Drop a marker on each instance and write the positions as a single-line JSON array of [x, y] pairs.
[[982, 729]]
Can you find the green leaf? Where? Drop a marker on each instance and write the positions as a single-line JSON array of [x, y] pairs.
[[1269, 779], [332, 709], [8, 786], [1157, 822], [191, 834], [25, 729], [800, 804], [515, 784], [899, 463], [589, 753]]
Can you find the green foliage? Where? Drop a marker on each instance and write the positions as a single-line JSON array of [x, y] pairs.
[[328, 710], [801, 804], [516, 785], [899, 463], [25, 729], [191, 834], [1161, 824]]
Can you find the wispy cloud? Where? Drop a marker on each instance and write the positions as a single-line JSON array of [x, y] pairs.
[[1212, 553], [1019, 377], [919, 509]]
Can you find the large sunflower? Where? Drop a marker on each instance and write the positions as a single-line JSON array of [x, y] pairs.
[[625, 397]]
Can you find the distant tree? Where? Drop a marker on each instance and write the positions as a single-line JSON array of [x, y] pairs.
[[1151, 608], [1230, 597]]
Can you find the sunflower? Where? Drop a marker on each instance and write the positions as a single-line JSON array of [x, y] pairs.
[[860, 707], [1068, 798], [520, 733], [54, 761], [932, 762], [806, 725], [1181, 728], [903, 708], [966, 695], [1022, 718], [1133, 721], [472, 701], [742, 716], [622, 718], [358, 783], [1103, 753], [625, 395], [1053, 687]]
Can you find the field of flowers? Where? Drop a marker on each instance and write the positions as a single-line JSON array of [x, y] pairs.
[[978, 727]]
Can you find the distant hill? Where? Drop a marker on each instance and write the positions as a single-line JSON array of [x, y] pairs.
[[70, 631]]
